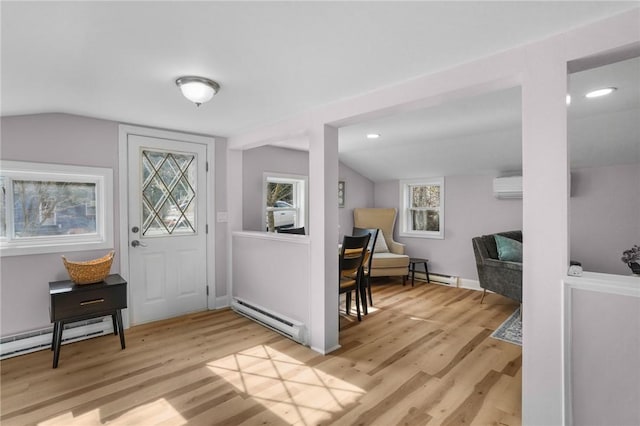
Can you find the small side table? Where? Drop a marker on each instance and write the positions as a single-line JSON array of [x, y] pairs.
[[412, 268], [71, 302]]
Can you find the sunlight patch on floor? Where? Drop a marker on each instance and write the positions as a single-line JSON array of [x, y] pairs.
[[158, 411], [287, 387]]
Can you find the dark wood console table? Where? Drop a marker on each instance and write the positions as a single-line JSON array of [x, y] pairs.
[[71, 302]]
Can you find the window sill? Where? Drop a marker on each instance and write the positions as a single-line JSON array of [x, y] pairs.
[[25, 250], [421, 235]]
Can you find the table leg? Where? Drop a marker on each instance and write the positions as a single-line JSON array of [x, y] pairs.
[[413, 274], [115, 325], [53, 335], [426, 271], [57, 342], [120, 327]]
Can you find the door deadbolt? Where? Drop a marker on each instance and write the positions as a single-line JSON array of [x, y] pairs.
[[135, 229]]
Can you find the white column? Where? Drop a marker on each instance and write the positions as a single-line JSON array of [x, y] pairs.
[[323, 232], [545, 233]]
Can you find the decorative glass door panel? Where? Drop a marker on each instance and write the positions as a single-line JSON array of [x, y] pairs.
[[168, 193]]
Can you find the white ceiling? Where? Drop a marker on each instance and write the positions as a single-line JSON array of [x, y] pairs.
[[482, 135], [119, 60]]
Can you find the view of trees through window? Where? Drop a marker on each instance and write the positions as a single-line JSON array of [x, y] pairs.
[[42, 208], [425, 205]]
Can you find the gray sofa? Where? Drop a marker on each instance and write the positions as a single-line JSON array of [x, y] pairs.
[[495, 275]]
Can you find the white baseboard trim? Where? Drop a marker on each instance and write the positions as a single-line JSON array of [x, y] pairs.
[[323, 352], [436, 278], [222, 302], [469, 284], [25, 343]]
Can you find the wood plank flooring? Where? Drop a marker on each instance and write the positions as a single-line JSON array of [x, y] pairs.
[[423, 356]]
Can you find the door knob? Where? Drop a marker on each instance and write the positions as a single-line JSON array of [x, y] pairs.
[[136, 243]]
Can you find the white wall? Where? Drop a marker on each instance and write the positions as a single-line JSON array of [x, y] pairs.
[[470, 210], [605, 216], [603, 359], [264, 282]]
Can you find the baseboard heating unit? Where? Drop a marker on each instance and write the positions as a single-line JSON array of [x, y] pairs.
[[438, 278], [295, 330], [38, 340]]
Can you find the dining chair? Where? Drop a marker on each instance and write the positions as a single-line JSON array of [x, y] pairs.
[[299, 231], [373, 232], [352, 255]]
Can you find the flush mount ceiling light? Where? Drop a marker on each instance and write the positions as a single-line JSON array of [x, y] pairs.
[[197, 89], [601, 92], [373, 136]]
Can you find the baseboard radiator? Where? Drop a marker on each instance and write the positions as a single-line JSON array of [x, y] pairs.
[[438, 278], [38, 340], [288, 327]]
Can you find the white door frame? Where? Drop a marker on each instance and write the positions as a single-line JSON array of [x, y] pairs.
[[124, 130]]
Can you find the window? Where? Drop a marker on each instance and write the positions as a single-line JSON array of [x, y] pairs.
[[284, 201], [422, 208], [48, 208]]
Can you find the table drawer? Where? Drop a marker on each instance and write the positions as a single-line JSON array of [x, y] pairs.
[[88, 302]]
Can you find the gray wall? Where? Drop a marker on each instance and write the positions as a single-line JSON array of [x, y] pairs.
[[359, 192], [74, 140], [604, 219], [62, 139], [256, 161], [470, 210], [604, 216]]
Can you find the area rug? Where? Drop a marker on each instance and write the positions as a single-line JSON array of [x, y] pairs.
[[511, 330]]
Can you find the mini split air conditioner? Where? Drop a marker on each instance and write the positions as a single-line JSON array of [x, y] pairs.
[[507, 187]]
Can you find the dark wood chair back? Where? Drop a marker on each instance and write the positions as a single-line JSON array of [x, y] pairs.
[[373, 232], [352, 256], [299, 231], [354, 250]]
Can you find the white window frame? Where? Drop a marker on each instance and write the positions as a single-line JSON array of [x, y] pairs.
[[300, 198], [405, 210], [101, 239]]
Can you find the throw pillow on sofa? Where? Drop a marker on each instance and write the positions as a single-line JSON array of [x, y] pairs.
[[508, 249]]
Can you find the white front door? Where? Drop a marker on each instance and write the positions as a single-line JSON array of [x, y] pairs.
[[167, 228]]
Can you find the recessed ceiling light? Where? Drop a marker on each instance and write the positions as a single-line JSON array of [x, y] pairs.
[[600, 92], [373, 135]]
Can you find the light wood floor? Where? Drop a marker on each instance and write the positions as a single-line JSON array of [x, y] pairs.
[[423, 357]]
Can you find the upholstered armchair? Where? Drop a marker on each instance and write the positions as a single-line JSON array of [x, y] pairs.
[[388, 256], [498, 276]]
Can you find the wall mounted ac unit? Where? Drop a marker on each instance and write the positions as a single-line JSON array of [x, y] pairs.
[[507, 187]]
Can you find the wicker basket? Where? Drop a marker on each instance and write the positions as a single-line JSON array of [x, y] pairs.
[[91, 271]]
